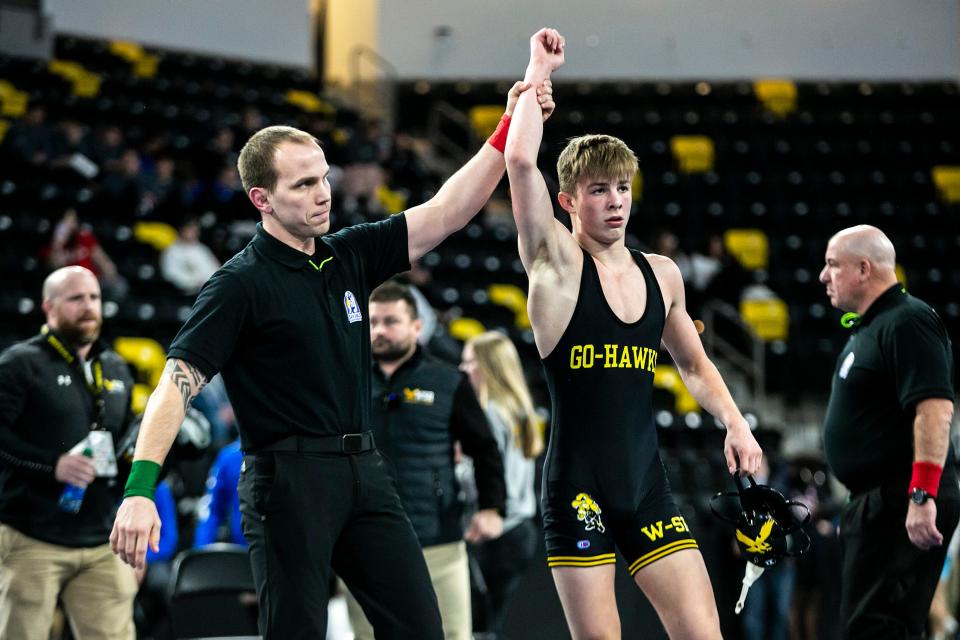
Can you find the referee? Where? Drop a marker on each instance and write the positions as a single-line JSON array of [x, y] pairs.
[[886, 436], [286, 323]]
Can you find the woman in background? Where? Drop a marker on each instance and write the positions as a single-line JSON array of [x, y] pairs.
[[491, 362]]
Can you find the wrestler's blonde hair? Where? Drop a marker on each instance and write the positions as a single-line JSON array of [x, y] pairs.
[[594, 156]]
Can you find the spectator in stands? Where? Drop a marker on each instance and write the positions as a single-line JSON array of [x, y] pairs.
[[251, 121], [162, 193], [123, 185], [74, 243], [50, 388], [492, 364], [887, 438], [667, 244], [224, 195], [188, 263], [433, 335], [421, 406], [220, 151], [218, 515], [30, 139], [69, 161], [215, 406], [107, 147], [715, 275]]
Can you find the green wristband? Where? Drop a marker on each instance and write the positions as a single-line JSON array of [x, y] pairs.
[[143, 479]]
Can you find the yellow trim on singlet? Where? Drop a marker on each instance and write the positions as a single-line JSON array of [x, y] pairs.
[[662, 552], [581, 561]]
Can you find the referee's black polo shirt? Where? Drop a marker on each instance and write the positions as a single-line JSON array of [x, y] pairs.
[[290, 332], [897, 356]]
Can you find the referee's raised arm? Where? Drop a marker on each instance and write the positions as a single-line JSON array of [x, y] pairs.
[[467, 190]]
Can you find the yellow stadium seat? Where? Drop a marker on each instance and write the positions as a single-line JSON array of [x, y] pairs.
[[694, 154], [129, 51], [13, 103], [146, 67], [138, 400], [391, 201], [512, 297], [777, 96], [668, 378], [947, 181], [484, 119], [465, 328], [750, 247], [4, 127], [309, 102], [901, 274], [158, 235], [769, 318], [146, 355], [636, 187], [85, 84]]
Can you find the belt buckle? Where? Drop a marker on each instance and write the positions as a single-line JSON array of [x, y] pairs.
[[351, 443]]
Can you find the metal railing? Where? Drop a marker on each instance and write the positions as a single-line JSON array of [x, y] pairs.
[[376, 95], [444, 117], [752, 365]]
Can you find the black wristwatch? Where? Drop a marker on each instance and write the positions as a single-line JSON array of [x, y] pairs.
[[920, 496]]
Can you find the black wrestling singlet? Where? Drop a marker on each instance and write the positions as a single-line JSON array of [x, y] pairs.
[[600, 377]]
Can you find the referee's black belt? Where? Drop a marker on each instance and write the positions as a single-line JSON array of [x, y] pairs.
[[346, 443]]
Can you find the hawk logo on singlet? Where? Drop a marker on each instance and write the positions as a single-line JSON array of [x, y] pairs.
[[613, 356], [114, 386], [759, 544], [351, 307], [588, 512]]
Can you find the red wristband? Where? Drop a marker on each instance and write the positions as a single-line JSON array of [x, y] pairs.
[[926, 476], [498, 140]]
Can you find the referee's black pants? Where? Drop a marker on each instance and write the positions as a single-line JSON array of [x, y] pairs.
[[887, 583], [307, 515]]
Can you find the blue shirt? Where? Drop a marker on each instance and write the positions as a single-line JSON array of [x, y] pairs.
[[221, 500], [169, 536]]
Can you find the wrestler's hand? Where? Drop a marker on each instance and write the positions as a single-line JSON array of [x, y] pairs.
[[485, 524], [137, 524], [544, 97], [740, 449], [922, 525], [75, 469], [546, 47]]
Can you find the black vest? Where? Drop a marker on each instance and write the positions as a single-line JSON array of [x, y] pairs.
[[410, 417]]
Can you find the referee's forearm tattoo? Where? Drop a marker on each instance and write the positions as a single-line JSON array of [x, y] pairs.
[[187, 378]]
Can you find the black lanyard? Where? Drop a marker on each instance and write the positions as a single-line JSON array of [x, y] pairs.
[[95, 387]]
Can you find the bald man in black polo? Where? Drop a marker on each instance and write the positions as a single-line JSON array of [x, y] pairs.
[[886, 436]]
